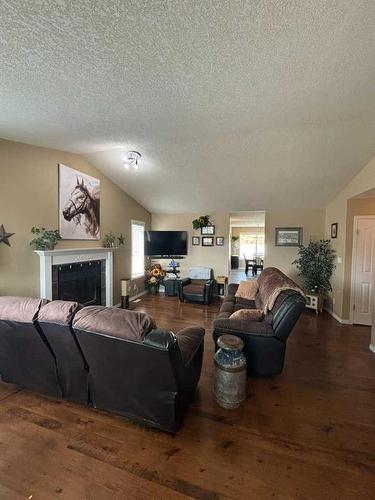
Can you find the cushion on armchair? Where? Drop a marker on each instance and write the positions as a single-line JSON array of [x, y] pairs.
[[194, 289]]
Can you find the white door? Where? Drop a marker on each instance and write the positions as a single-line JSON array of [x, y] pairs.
[[363, 269]]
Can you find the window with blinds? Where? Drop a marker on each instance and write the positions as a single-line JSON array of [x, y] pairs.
[[138, 251]]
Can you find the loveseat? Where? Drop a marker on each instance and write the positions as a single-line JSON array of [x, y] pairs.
[[113, 359], [265, 339]]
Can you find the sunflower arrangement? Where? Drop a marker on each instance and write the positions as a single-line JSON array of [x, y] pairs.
[[154, 275]]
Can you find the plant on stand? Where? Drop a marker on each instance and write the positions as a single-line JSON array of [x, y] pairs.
[[316, 263], [154, 276], [45, 239]]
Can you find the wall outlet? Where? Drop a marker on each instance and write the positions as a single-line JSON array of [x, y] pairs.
[[339, 260], [333, 300]]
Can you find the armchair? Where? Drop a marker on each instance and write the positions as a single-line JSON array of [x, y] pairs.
[[198, 287]]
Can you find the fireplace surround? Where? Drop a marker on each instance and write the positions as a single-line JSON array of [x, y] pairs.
[[61, 272]]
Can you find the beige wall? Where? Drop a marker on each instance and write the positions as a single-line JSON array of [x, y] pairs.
[[215, 257], [312, 222], [336, 211], [29, 196]]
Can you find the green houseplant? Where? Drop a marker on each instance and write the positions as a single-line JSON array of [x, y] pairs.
[[109, 240], [316, 263], [202, 221], [45, 239]]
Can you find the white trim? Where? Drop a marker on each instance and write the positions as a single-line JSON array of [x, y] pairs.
[[139, 223], [372, 347], [354, 260], [49, 258], [337, 318], [133, 298], [145, 292]]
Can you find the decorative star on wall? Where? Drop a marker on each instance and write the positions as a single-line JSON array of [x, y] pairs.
[[4, 236], [121, 240]]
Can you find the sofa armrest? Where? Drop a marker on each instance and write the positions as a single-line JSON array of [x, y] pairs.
[[189, 340], [228, 325], [232, 288], [162, 339]]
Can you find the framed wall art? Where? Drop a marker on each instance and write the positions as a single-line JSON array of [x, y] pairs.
[[207, 241], [208, 230], [288, 236], [79, 205]]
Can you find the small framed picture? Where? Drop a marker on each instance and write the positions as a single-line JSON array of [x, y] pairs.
[[334, 228], [288, 236], [207, 241], [219, 241], [208, 230], [196, 240]]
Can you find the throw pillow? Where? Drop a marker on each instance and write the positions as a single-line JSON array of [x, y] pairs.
[[247, 290], [248, 315]]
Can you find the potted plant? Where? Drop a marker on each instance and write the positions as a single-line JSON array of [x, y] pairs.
[[45, 239], [109, 240], [316, 263], [154, 276], [202, 221]]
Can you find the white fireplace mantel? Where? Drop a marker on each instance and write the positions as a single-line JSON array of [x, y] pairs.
[[49, 258]]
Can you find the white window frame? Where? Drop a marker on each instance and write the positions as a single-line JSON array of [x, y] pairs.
[[137, 274]]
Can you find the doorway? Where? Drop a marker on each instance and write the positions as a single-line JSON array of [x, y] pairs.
[[247, 235], [363, 269]]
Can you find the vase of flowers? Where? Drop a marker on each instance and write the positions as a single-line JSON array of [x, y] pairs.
[[154, 276]]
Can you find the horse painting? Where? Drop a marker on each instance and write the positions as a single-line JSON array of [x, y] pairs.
[[79, 205]]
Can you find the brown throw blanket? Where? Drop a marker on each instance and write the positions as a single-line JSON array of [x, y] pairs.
[[271, 283]]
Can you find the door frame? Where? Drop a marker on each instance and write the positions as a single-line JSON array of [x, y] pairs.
[[354, 259]]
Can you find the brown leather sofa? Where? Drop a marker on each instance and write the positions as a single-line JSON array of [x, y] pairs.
[[109, 358], [265, 341]]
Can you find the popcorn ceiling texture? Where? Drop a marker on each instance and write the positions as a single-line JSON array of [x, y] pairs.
[[234, 105]]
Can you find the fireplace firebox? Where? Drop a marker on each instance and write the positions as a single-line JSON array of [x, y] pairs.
[[82, 282]]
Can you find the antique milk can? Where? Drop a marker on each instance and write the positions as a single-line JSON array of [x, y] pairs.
[[230, 372]]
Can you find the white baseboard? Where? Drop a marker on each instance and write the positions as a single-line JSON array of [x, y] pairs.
[[145, 292], [337, 318], [133, 297], [372, 347]]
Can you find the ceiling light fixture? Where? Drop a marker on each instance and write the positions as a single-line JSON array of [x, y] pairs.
[[131, 159]]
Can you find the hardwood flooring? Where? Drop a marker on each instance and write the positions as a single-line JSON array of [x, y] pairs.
[[306, 434]]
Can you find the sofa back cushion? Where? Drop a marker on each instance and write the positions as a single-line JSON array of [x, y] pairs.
[[114, 322], [58, 311], [20, 309]]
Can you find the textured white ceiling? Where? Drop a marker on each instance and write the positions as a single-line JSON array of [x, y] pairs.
[[234, 105]]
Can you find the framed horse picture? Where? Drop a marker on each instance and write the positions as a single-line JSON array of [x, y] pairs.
[[79, 205]]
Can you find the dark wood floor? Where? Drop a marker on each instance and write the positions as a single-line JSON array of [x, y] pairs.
[[309, 433]]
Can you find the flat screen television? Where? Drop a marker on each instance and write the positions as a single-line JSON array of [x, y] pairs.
[[168, 243]]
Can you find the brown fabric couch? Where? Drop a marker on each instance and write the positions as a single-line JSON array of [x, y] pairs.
[[265, 340], [109, 358]]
